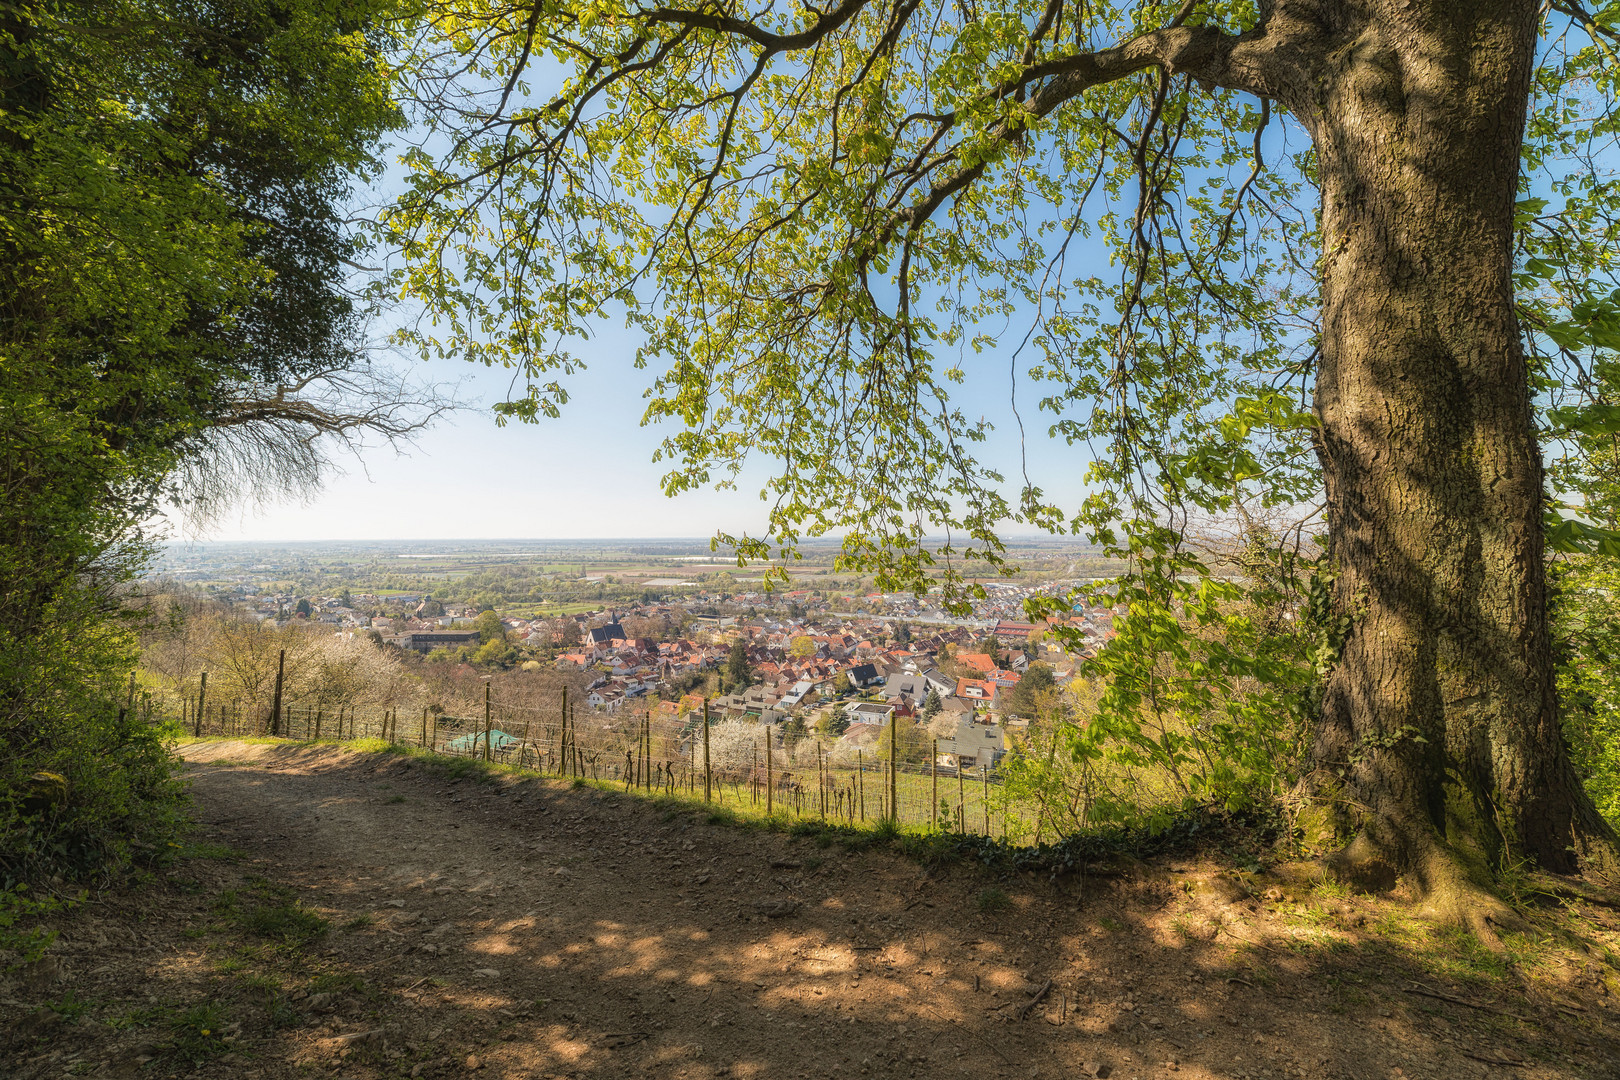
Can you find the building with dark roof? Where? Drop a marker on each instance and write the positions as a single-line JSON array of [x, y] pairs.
[[601, 635], [864, 674], [425, 641]]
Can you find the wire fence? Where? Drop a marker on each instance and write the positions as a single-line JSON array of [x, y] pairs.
[[894, 774]]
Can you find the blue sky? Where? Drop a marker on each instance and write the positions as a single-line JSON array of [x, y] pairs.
[[588, 474]]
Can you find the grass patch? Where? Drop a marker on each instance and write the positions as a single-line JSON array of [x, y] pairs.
[[268, 985], [69, 1006], [359, 922], [270, 911], [343, 982], [198, 1033], [991, 900]]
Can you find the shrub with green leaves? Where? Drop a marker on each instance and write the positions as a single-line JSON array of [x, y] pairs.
[[178, 175]]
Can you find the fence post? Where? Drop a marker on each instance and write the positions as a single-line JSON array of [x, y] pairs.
[[202, 696], [770, 778], [984, 771], [275, 704], [486, 722], [565, 763], [821, 779], [894, 767], [708, 783], [933, 771], [860, 771], [961, 801]]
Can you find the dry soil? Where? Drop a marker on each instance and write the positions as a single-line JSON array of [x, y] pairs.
[[528, 929]]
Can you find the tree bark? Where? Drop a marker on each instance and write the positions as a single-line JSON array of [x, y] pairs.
[[1441, 720]]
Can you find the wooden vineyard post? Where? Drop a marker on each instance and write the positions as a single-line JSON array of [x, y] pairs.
[[202, 696], [424, 726], [933, 771], [275, 702], [860, 771], [961, 801], [894, 768], [770, 778], [984, 771], [486, 722], [319, 714], [562, 733], [821, 779], [708, 776]]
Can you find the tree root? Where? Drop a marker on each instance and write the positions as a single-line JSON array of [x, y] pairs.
[[1464, 904], [1449, 895]]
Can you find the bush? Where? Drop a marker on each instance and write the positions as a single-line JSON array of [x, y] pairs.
[[118, 802]]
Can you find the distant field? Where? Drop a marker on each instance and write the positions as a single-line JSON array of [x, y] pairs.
[[515, 567], [552, 610]]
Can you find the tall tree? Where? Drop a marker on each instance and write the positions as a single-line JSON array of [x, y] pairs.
[[172, 245], [806, 211], [738, 670]]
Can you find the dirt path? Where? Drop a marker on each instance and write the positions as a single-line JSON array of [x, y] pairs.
[[528, 930]]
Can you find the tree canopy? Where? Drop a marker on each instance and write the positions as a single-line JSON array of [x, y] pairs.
[[1186, 225], [175, 249]]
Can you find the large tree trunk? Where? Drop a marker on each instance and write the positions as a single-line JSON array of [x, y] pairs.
[[1441, 717]]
